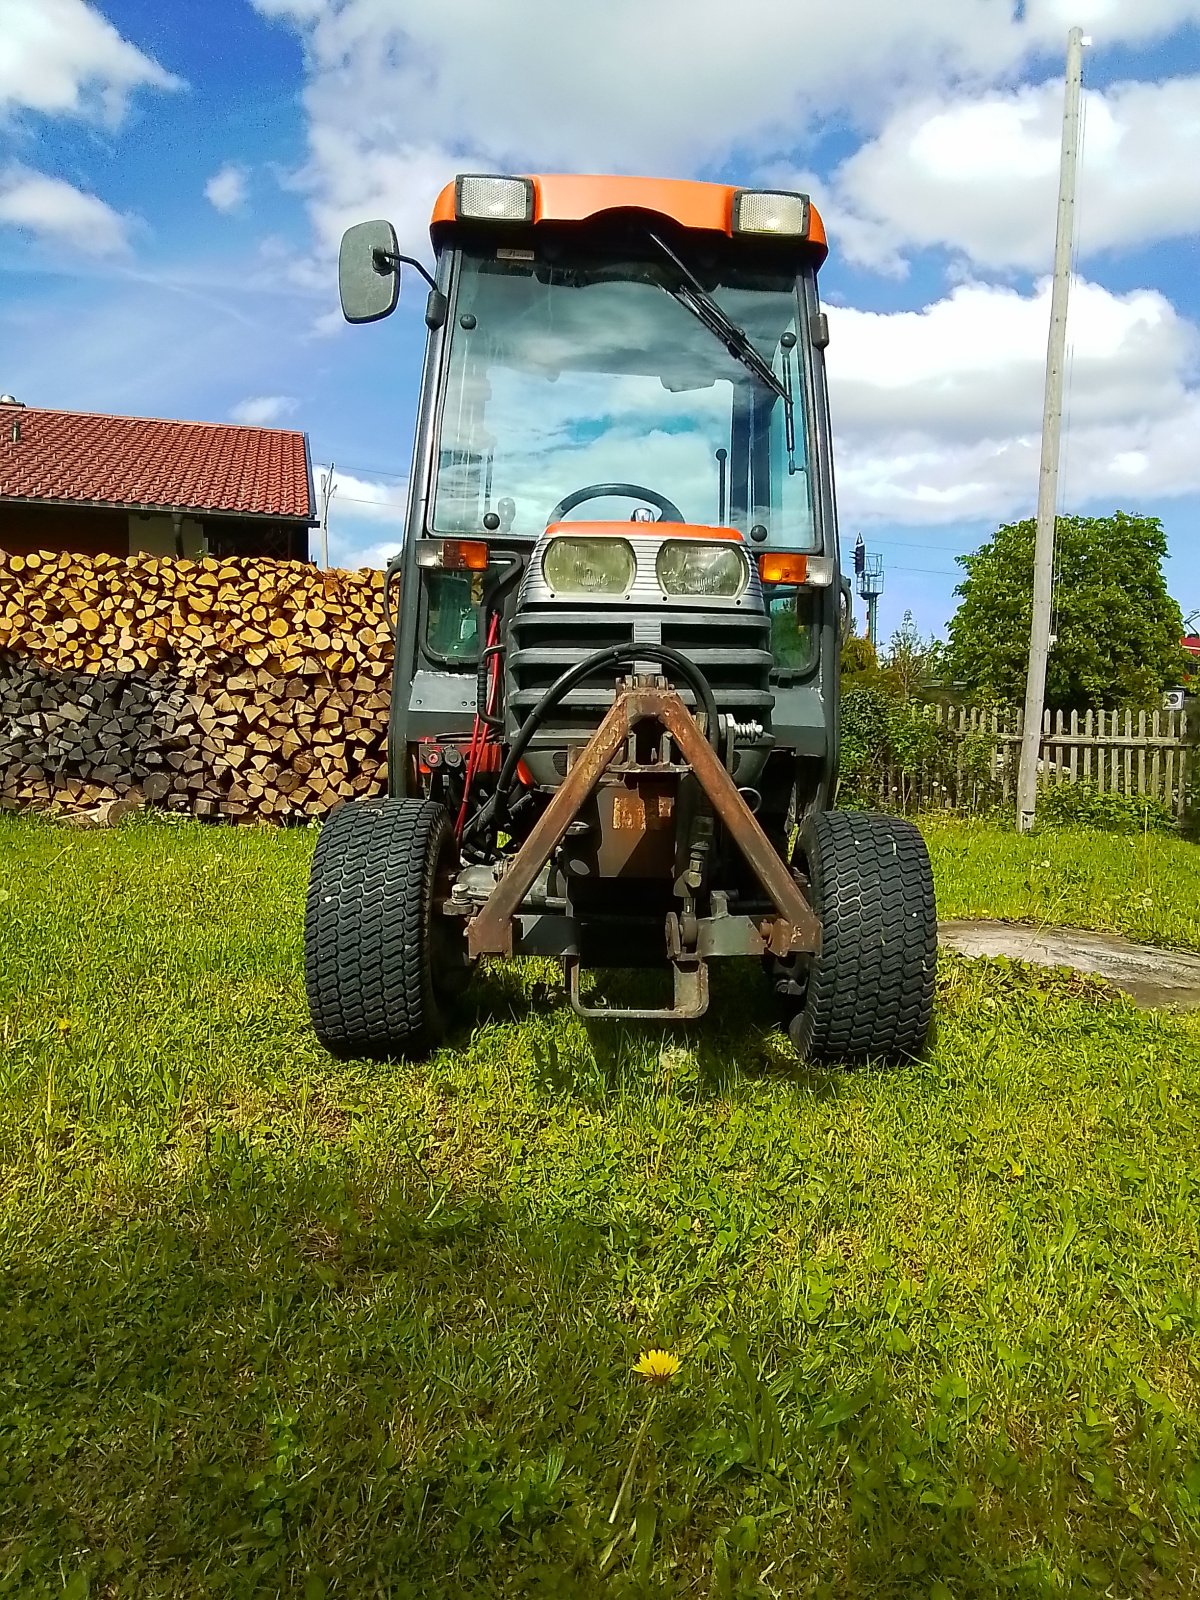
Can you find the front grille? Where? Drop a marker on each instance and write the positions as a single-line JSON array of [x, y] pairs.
[[731, 649]]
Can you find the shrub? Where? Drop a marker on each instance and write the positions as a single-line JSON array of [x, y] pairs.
[[859, 660], [865, 745], [894, 754], [1067, 805]]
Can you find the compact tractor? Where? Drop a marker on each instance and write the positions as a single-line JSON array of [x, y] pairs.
[[617, 613]]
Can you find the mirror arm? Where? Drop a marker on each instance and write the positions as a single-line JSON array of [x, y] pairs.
[[386, 261]]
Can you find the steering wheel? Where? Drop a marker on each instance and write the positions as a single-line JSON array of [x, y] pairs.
[[598, 491]]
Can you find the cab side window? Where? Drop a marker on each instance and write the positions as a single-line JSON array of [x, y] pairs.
[[794, 630], [452, 618]]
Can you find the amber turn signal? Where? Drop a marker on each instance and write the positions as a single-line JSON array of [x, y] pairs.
[[464, 555], [453, 555], [782, 566]]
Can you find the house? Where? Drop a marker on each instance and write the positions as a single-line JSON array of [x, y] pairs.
[[97, 484]]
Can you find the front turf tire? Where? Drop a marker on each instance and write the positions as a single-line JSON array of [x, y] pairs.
[[869, 992], [382, 965]]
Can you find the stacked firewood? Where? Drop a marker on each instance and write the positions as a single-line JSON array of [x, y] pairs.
[[240, 689]]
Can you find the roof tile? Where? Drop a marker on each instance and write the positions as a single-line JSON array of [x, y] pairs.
[[147, 462]]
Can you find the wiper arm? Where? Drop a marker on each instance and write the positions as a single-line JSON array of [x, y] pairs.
[[692, 295]]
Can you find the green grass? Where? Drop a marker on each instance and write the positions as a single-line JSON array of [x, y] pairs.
[[271, 1325], [1146, 886]]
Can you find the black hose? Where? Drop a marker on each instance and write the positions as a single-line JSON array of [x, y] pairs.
[[562, 686]]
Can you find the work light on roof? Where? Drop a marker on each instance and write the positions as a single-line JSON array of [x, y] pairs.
[[494, 199], [770, 211]]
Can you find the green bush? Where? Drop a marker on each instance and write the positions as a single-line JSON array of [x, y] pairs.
[[1073, 805], [865, 751], [895, 756], [859, 660]]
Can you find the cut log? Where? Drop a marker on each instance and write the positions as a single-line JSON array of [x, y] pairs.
[[229, 688]]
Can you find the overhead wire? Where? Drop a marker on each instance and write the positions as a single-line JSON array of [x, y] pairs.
[[374, 472], [385, 505]]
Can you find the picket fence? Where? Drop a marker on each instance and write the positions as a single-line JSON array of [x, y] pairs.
[[1147, 755]]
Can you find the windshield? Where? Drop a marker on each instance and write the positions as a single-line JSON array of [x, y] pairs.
[[566, 377]]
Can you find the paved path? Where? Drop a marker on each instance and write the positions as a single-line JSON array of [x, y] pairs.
[[1151, 976]]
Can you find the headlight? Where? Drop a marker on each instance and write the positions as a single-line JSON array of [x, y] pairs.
[[493, 199], [588, 566], [686, 566], [766, 211]]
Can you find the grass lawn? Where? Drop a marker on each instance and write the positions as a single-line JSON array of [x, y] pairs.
[[273, 1325], [1146, 886]]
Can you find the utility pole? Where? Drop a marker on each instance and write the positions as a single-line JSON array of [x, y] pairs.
[[1056, 357], [328, 488]]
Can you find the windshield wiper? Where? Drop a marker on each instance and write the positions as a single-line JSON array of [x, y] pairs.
[[694, 297]]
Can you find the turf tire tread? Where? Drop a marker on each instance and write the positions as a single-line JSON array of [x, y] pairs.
[[367, 959], [870, 989]]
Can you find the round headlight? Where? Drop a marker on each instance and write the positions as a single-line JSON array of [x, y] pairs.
[[588, 566], [687, 566]]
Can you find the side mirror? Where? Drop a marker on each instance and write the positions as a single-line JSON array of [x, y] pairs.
[[368, 272]]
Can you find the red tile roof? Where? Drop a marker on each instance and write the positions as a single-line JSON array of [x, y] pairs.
[[147, 464]]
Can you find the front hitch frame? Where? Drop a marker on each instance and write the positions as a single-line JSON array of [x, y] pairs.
[[795, 928]]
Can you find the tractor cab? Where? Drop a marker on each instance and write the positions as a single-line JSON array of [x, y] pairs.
[[618, 603]]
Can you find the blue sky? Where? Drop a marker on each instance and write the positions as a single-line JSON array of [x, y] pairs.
[[174, 178]]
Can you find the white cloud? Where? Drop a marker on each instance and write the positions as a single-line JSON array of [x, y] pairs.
[[366, 519], [1111, 21], [290, 10], [400, 95], [979, 175], [938, 412], [328, 323], [262, 410], [63, 57], [348, 549], [364, 499], [49, 208], [226, 189], [351, 178], [144, 343]]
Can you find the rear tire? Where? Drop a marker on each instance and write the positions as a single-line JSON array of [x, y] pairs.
[[382, 965], [869, 992]]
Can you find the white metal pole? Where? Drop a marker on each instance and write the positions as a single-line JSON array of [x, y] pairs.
[[1056, 355]]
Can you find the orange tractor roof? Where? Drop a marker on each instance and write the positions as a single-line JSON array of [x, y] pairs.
[[575, 197]]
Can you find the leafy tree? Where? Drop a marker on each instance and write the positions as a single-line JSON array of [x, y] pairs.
[[912, 662], [1116, 628], [858, 658]]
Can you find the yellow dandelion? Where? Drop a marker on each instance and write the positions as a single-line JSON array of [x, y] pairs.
[[660, 1366]]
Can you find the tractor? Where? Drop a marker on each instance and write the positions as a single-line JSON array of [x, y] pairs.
[[617, 613]]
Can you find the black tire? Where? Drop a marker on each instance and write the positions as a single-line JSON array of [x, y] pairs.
[[869, 993], [381, 965]]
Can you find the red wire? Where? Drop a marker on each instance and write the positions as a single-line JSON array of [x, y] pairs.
[[480, 732]]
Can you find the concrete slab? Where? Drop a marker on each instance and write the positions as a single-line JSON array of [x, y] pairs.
[[1151, 976]]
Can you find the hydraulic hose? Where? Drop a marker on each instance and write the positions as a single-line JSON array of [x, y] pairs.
[[613, 655]]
